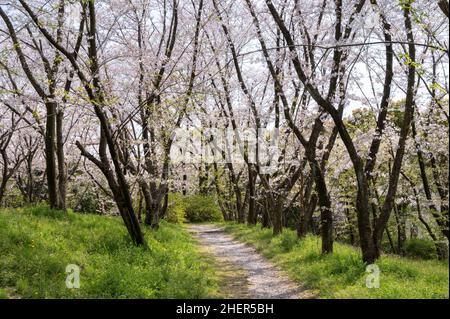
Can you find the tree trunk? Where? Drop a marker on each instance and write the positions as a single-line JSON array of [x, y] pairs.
[[350, 227], [404, 131], [148, 203], [277, 216], [62, 176], [239, 208], [401, 228], [50, 134], [307, 210], [2, 191], [369, 251], [140, 205], [391, 242], [251, 217], [265, 215], [30, 182], [326, 215]]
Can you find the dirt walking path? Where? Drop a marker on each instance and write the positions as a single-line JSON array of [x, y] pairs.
[[246, 273]]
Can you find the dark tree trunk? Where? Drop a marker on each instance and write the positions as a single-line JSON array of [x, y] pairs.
[[326, 215], [140, 205], [30, 181], [404, 131], [391, 242], [401, 228], [443, 5], [239, 205], [2, 191], [148, 203], [277, 216], [219, 192], [165, 205], [50, 139], [350, 227], [265, 215], [369, 251], [251, 216], [62, 176], [308, 205]]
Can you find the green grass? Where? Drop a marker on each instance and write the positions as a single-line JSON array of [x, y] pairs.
[[36, 245], [343, 274]]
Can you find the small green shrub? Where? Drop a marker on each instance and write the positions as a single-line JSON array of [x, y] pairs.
[[85, 201], [420, 248], [43, 210], [176, 210], [200, 208], [288, 241], [13, 198]]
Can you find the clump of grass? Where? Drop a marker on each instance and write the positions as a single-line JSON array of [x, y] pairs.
[[43, 210], [343, 274], [37, 244]]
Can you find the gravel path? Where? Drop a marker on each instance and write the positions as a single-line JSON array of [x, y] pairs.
[[246, 273]]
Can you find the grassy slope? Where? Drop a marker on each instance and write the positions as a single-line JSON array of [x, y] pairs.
[[342, 274], [36, 245]]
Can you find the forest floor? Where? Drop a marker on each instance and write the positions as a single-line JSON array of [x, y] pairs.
[[341, 274], [244, 272], [37, 244], [225, 260]]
